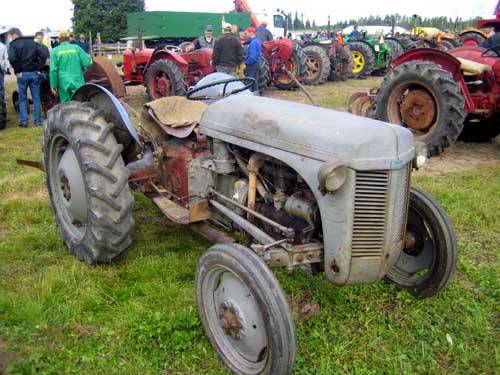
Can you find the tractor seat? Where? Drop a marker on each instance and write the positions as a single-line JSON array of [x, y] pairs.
[[472, 68], [174, 115]]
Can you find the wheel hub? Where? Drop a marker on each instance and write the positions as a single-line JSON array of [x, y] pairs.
[[229, 320], [359, 62], [313, 67], [418, 109], [72, 188], [163, 86]]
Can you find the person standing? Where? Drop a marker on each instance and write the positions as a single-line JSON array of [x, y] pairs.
[[67, 64], [253, 58], [82, 42], [39, 38], [228, 52], [27, 58], [207, 40], [4, 61], [263, 33]]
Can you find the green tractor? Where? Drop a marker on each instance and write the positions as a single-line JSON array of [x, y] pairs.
[[371, 55], [327, 60]]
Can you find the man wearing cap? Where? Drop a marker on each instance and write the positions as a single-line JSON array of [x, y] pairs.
[[27, 58], [253, 57], [207, 40], [228, 53], [263, 33], [67, 63]]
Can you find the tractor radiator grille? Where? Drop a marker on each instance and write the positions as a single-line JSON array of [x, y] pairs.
[[370, 207]]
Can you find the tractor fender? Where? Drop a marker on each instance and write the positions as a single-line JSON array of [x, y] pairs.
[[163, 54], [446, 61], [113, 109]]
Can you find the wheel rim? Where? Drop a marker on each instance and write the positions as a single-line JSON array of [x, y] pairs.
[[162, 86], [359, 62], [68, 187], [292, 66], [235, 320], [313, 68], [418, 257], [414, 106]]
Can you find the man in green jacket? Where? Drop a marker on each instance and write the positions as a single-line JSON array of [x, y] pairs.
[[67, 64]]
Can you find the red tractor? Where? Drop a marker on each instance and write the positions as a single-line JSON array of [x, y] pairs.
[[439, 95], [474, 37], [166, 71]]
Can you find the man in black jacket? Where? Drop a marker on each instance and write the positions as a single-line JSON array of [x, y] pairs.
[[27, 58], [228, 53]]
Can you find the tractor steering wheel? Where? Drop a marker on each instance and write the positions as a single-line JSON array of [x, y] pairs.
[[495, 49], [247, 83]]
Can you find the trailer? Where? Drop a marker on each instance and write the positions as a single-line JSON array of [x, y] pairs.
[[177, 27]]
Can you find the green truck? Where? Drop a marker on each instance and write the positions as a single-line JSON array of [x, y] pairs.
[[177, 27]]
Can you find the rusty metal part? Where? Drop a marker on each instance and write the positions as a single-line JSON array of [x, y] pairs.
[[198, 210], [314, 102], [295, 256], [418, 109], [33, 164], [104, 73], [410, 240], [229, 321], [261, 189], [363, 103], [289, 232], [211, 233]]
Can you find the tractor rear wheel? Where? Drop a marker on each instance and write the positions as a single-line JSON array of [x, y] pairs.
[[87, 183], [244, 312], [395, 47], [424, 98], [297, 65], [3, 112], [264, 75], [342, 64], [482, 131], [363, 58], [164, 78], [472, 35], [318, 65]]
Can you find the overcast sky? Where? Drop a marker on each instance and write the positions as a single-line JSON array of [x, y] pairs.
[[31, 15]]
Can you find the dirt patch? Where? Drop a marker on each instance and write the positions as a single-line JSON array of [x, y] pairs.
[[6, 358], [303, 307], [463, 157]]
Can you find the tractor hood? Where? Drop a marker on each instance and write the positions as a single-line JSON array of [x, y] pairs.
[[311, 132]]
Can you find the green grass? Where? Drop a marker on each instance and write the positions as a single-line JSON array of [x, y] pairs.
[[138, 316]]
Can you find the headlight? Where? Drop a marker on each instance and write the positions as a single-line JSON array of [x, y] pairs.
[[421, 155], [332, 176]]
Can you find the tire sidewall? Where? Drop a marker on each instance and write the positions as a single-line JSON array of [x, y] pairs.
[[254, 279]]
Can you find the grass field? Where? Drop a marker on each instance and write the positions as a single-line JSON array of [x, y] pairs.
[[138, 316]]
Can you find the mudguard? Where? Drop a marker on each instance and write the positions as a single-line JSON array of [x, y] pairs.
[[107, 102]]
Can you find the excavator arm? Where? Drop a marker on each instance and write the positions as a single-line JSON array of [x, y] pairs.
[[243, 7]]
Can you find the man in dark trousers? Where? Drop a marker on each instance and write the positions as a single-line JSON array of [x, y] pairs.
[[253, 58], [228, 53], [27, 58]]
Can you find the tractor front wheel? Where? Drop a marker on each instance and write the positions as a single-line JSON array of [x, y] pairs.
[[363, 59], [244, 311], [428, 260], [164, 78], [318, 65], [87, 183], [424, 98]]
